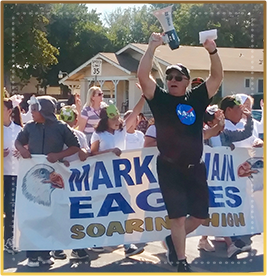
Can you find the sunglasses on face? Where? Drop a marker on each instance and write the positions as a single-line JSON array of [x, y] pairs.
[[98, 94], [177, 78]]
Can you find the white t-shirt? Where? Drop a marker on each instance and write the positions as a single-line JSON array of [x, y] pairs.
[[26, 117], [135, 140], [83, 144], [108, 140], [216, 141], [11, 164], [247, 143], [151, 131]]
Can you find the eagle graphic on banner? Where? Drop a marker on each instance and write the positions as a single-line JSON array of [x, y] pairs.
[[39, 182]]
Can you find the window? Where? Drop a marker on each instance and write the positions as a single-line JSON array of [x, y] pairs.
[[260, 86], [247, 83], [217, 97]]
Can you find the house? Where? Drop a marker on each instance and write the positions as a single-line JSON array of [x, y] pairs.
[[243, 71]]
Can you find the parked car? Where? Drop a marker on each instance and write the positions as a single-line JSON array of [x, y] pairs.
[[256, 114]]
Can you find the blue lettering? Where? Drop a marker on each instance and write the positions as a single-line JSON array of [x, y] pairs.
[[230, 169], [122, 205], [213, 196], [229, 191], [142, 201], [207, 163], [100, 167], [143, 169], [75, 175], [75, 206], [224, 167], [215, 167], [122, 172]]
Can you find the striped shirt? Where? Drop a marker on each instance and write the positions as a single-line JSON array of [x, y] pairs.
[[92, 117]]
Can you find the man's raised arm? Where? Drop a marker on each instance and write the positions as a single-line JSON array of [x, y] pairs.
[[216, 71], [146, 81]]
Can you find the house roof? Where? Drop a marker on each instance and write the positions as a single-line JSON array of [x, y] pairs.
[[193, 57], [196, 57]]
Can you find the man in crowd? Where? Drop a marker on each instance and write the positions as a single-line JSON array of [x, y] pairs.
[[178, 118]]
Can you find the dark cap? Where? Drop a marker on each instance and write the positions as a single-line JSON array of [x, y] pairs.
[[196, 81], [179, 67], [230, 101]]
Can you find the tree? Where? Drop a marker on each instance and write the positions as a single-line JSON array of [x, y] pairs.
[[26, 48], [237, 24], [77, 34], [132, 25]]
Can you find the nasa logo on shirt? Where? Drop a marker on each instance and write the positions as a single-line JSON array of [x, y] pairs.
[[186, 114]]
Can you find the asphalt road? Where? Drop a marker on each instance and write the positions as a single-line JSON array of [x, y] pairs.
[[152, 260]]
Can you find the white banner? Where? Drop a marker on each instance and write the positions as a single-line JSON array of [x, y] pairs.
[[109, 200]]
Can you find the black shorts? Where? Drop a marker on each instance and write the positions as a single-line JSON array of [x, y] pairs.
[[184, 189]]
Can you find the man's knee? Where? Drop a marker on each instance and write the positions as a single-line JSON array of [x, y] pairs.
[[178, 222], [198, 221]]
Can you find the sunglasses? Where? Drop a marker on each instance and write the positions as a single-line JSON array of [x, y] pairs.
[[98, 94], [177, 78]]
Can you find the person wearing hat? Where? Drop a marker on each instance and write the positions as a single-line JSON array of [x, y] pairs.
[[178, 114], [232, 108], [45, 135], [248, 102], [196, 82]]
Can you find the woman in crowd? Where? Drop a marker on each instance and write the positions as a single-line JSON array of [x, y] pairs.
[[89, 116], [12, 126]]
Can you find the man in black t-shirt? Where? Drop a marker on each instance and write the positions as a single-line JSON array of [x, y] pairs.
[[178, 115]]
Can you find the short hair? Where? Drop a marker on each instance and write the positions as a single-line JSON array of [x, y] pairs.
[[229, 101], [16, 113]]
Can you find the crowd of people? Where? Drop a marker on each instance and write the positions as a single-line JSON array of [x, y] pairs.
[[77, 133]]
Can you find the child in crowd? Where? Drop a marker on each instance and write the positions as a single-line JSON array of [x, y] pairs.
[[45, 135], [69, 115], [134, 138], [12, 126], [225, 137], [110, 136]]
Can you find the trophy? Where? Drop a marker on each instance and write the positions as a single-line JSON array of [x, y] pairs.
[[165, 18]]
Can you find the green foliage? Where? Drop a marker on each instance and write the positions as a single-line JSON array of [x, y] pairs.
[[26, 48], [42, 39], [237, 24], [77, 34]]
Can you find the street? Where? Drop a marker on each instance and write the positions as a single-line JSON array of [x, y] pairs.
[[152, 260]]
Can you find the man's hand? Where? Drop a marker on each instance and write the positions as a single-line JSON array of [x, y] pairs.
[[52, 157], [25, 153], [155, 40], [209, 45]]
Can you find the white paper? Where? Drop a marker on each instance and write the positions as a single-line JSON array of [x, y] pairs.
[[209, 34]]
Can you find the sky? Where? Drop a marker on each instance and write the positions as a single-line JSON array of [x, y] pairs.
[[106, 8]]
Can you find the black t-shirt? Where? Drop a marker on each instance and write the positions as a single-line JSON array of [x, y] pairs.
[[179, 123]]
